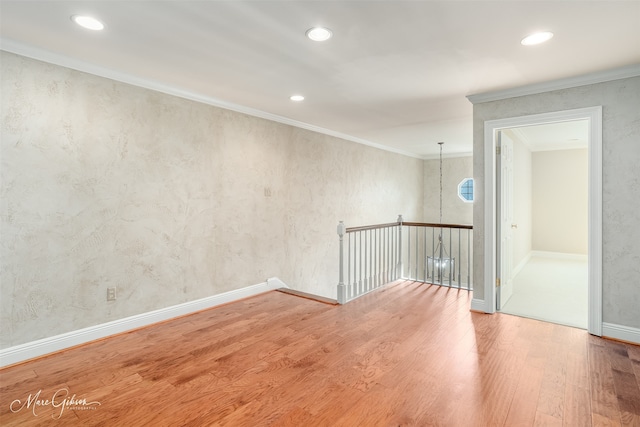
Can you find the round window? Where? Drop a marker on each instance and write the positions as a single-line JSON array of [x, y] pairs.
[[465, 190]]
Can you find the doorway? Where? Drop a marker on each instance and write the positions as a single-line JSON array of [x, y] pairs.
[[543, 222], [492, 266]]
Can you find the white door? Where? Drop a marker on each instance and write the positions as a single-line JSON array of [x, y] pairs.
[[505, 182]]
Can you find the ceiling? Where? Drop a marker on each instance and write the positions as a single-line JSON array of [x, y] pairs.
[[395, 74], [554, 136]]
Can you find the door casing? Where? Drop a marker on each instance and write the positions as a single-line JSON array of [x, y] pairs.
[[594, 116]]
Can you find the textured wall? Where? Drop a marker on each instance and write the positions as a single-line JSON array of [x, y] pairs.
[[620, 101], [561, 201], [454, 210], [105, 184]]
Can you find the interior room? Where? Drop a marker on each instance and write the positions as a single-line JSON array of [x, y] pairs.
[[232, 213], [550, 223]]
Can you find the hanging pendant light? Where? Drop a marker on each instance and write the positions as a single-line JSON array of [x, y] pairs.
[[440, 262]]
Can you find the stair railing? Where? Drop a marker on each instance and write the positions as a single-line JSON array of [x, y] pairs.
[[374, 255], [370, 256]]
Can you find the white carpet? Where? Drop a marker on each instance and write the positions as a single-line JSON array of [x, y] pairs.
[[551, 289]]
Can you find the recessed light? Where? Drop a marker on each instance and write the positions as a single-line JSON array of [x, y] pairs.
[[296, 98], [88, 22], [536, 38], [319, 34]]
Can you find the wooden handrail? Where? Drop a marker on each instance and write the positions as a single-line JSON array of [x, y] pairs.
[[413, 224], [425, 224], [371, 227]]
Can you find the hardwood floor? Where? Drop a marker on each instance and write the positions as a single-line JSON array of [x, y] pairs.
[[406, 355]]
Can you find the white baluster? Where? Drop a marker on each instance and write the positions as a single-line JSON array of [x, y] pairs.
[[399, 273], [341, 288]]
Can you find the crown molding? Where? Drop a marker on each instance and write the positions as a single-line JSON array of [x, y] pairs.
[[566, 83], [448, 155], [86, 67]]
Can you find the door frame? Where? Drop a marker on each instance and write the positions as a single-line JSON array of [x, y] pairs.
[[594, 116]]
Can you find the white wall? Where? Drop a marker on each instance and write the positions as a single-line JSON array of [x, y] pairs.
[[104, 184], [621, 214], [560, 201]]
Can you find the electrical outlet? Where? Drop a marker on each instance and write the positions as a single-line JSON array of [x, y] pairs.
[[111, 294]]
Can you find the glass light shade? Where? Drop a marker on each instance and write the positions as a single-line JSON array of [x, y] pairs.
[[439, 269]]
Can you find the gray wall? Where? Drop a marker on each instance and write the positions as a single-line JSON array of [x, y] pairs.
[[105, 184], [620, 100]]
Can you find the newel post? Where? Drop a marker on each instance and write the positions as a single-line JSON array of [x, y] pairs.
[[342, 294], [399, 272]]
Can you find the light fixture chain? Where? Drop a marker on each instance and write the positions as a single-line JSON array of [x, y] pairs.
[[441, 144]]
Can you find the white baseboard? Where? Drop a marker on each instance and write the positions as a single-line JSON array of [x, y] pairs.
[[480, 306], [622, 333], [559, 255], [275, 283], [521, 264], [30, 350]]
